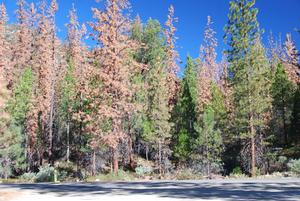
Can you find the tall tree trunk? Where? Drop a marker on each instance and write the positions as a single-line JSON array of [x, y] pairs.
[[285, 131], [68, 141], [160, 158], [94, 163], [51, 129], [131, 161], [253, 152], [115, 161]]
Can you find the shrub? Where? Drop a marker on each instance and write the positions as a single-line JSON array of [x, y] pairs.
[[143, 170], [121, 176], [237, 170], [294, 166], [237, 173], [67, 170], [28, 177], [45, 174], [187, 174]]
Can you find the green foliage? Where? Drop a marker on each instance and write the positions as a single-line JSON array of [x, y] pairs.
[[28, 177], [209, 143], [282, 93], [45, 174], [120, 176], [295, 119], [187, 174], [184, 114], [294, 166], [12, 152], [20, 103], [237, 170], [143, 170]]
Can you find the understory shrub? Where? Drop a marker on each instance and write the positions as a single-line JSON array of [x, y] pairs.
[[187, 174], [294, 166], [28, 177], [143, 170], [45, 174]]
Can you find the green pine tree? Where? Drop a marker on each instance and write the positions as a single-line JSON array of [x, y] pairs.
[[250, 78], [208, 145], [295, 120], [184, 114], [282, 93]]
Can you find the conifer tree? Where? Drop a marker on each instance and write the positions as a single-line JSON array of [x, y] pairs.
[[21, 50], [282, 94], [250, 81], [111, 32], [5, 66], [171, 57], [208, 66], [184, 116], [295, 120]]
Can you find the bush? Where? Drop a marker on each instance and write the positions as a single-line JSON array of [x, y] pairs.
[[143, 170], [28, 177], [294, 166], [121, 176], [237, 170], [237, 173], [45, 174], [66, 171], [187, 174]]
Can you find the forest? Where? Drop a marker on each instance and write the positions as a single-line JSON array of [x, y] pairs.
[[119, 109]]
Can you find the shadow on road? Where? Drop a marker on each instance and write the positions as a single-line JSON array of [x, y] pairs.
[[180, 190]]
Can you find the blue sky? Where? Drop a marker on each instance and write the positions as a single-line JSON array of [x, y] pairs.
[[278, 16]]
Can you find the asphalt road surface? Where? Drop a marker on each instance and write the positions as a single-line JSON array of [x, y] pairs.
[[277, 190]]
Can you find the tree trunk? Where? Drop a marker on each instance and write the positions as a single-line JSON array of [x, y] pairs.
[[131, 161], [253, 152], [285, 131], [147, 150], [51, 129], [160, 158], [115, 161], [68, 141], [94, 163]]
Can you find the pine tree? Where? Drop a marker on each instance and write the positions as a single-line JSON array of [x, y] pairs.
[[38, 117], [21, 50], [282, 93], [73, 85], [111, 32], [208, 67], [291, 60], [184, 116], [295, 120], [250, 71], [208, 143], [172, 57], [5, 65]]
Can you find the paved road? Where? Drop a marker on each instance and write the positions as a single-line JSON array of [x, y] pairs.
[[277, 190]]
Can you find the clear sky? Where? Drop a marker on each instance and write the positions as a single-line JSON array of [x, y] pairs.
[[278, 16]]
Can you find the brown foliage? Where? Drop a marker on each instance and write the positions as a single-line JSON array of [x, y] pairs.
[[172, 58]]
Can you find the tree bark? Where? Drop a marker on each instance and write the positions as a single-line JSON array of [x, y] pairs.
[[253, 151], [68, 141], [115, 161], [94, 163], [159, 155]]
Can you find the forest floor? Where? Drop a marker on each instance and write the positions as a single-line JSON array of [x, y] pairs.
[[249, 189]]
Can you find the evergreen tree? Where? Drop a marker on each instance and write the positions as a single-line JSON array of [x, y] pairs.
[[250, 70], [282, 93], [184, 115], [208, 143], [295, 120]]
